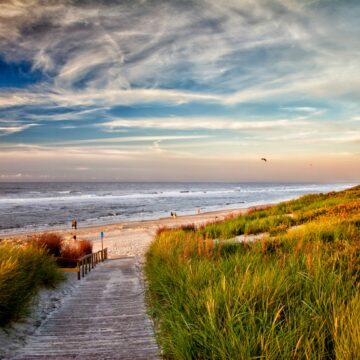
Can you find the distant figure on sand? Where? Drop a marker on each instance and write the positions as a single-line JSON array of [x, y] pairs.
[[198, 211], [74, 224], [173, 214]]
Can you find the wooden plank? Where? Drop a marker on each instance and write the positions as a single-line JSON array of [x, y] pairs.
[[104, 318], [69, 269]]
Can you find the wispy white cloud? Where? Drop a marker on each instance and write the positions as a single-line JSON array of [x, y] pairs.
[[13, 127], [104, 97], [237, 51], [303, 109], [94, 56], [70, 115], [132, 139], [156, 146], [176, 123]]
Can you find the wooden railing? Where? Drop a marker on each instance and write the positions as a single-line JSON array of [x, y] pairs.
[[85, 263]]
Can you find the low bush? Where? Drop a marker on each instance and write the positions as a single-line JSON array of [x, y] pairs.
[[76, 249], [85, 246], [51, 242]]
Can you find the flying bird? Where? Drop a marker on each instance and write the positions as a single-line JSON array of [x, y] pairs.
[[263, 159]]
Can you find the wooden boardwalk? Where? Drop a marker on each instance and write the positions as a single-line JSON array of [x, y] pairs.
[[104, 318]]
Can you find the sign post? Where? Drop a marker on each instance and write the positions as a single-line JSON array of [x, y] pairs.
[[102, 245]]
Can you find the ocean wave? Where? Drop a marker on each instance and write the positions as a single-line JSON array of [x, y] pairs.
[[45, 199], [77, 196], [109, 203]]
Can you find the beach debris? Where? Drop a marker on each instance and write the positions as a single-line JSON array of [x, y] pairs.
[[264, 159]]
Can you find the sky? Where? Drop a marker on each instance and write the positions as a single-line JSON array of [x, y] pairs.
[[180, 90]]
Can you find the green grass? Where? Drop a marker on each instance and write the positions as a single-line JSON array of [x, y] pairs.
[[23, 270], [293, 295], [281, 217]]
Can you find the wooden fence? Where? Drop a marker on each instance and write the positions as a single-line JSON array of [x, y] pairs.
[[85, 263]]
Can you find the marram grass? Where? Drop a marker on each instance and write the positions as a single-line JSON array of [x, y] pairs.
[[23, 270], [292, 295]]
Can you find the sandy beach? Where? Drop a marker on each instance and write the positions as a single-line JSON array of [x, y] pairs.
[[132, 238]]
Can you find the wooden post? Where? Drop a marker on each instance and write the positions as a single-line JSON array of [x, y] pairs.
[[78, 266]]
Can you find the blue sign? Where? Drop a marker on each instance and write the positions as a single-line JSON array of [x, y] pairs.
[[102, 234]]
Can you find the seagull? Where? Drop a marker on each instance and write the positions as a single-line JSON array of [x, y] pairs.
[[263, 159]]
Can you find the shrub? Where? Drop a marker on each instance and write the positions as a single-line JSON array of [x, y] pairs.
[[76, 249], [51, 242], [85, 246]]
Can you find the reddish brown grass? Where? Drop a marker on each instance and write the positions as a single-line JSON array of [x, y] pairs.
[[70, 251], [52, 242], [188, 227], [206, 247], [161, 229], [76, 249], [85, 246]]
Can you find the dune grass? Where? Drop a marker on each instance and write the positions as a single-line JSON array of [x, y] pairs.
[[76, 249], [23, 270], [292, 295], [51, 242], [54, 244]]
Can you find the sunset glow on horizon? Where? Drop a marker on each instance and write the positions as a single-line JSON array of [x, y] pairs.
[[180, 90]]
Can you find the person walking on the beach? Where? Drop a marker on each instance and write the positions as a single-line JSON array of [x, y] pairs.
[[74, 224]]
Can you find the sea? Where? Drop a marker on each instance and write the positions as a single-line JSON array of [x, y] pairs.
[[43, 206]]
